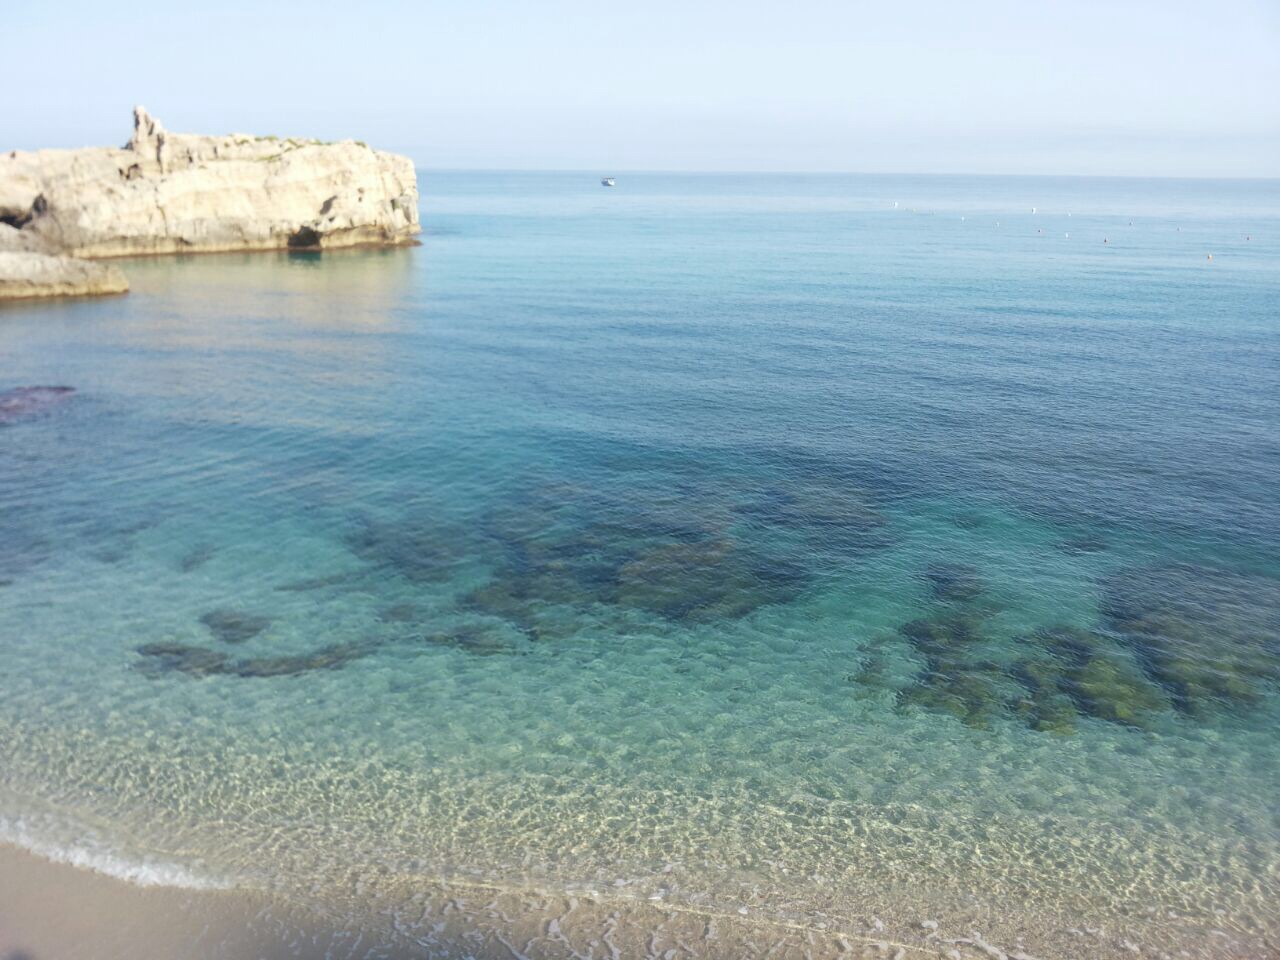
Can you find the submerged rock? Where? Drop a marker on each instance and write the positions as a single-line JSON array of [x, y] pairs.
[[501, 597], [1110, 689], [1210, 637], [1085, 543], [196, 661], [954, 582], [970, 520], [1058, 675], [972, 696], [331, 657], [956, 679], [234, 626], [196, 557], [182, 658], [1193, 638], [27, 401], [836, 516], [318, 583], [1070, 671], [22, 547], [1045, 707], [399, 613], [580, 550], [422, 550], [479, 640], [706, 580]]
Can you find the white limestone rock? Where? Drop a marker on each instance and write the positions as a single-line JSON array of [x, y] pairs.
[[13, 240], [169, 192], [26, 274]]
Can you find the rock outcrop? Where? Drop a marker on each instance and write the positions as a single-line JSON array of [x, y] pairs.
[[29, 267], [24, 275], [169, 192], [25, 401]]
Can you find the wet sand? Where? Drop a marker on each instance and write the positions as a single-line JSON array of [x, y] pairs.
[[51, 911]]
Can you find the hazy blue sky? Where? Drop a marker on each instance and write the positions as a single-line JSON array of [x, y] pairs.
[[1160, 87]]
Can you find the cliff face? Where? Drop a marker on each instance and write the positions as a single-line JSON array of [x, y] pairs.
[[169, 193]]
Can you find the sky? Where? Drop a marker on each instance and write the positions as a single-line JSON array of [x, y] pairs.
[[1109, 87]]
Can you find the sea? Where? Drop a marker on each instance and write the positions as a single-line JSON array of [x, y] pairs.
[[713, 565]]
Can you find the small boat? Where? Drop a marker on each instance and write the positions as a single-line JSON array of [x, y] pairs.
[[608, 182]]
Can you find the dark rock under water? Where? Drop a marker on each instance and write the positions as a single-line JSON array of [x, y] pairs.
[[172, 657], [1191, 639], [330, 657], [1085, 543], [234, 626], [196, 557], [166, 657], [420, 548], [22, 548], [21, 402], [1071, 671], [956, 677], [483, 641], [659, 532], [954, 582], [1210, 637], [681, 579]]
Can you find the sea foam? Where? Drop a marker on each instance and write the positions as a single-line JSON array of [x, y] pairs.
[[89, 854]]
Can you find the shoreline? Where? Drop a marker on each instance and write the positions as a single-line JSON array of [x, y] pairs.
[[58, 910], [112, 916]]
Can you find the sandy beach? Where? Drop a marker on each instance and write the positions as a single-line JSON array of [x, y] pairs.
[[51, 911]]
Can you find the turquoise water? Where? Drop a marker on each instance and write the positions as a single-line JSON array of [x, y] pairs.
[[813, 546]]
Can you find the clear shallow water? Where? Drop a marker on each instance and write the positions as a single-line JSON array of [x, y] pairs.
[[740, 542]]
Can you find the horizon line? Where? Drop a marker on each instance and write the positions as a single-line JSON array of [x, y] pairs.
[[846, 173]]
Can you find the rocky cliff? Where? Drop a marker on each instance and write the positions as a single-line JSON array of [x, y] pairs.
[[169, 192]]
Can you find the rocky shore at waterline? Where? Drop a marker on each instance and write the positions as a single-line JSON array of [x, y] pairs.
[[165, 193], [25, 274]]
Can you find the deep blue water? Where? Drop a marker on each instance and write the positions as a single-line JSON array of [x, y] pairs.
[[800, 543]]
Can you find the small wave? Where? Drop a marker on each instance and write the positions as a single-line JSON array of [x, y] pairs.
[[93, 856]]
